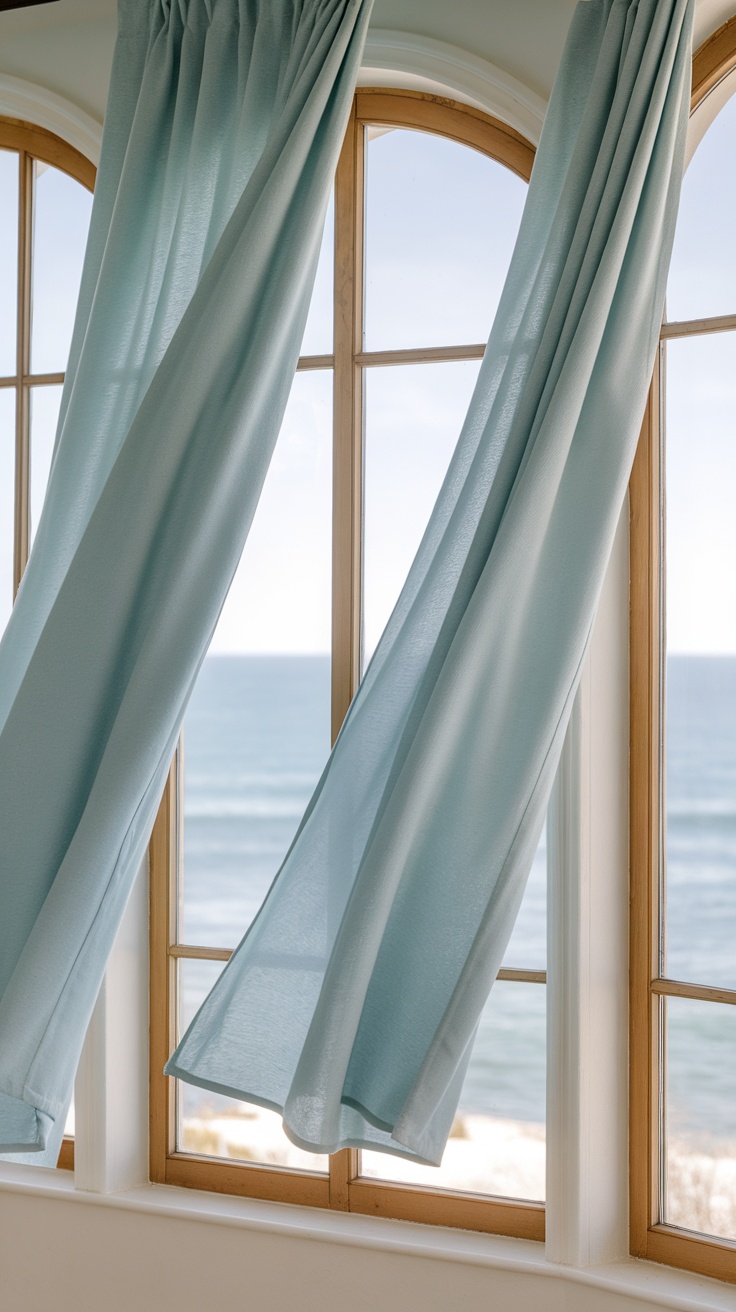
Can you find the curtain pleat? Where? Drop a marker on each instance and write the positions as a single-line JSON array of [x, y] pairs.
[[222, 134], [351, 1003]]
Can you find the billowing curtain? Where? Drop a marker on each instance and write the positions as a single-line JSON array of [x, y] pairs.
[[221, 139], [351, 1004]]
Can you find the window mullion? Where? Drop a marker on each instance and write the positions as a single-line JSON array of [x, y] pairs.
[[23, 362], [164, 894], [348, 425], [645, 809], [347, 495]]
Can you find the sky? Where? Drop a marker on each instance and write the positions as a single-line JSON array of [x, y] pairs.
[[421, 290], [700, 400], [61, 219], [440, 224]]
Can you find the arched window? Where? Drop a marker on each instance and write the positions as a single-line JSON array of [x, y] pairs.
[[427, 204], [683, 726], [45, 205]]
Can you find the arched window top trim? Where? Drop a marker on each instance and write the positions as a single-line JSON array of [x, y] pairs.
[[38, 142], [408, 59], [465, 124], [714, 82], [41, 108], [713, 61]]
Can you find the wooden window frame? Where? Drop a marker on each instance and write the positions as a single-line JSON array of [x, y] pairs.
[[651, 1237], [32, 143], [342, 1189]]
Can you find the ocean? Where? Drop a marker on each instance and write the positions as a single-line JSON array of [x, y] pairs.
[[255, 740]]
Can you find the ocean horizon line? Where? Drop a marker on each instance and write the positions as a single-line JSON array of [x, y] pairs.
[[326, 655]]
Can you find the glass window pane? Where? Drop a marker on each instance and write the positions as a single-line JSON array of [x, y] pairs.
[[45, 402], [702, 279], [700, 1116], [701, 660], [414, 414], [497, 1143], [8, 260], [527, 947], [61, 213], [441, 222], [318, 331], [257, 731], [214, 1126], [7, 500]]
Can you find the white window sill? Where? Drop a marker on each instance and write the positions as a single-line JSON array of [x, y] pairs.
[[631, 1279]]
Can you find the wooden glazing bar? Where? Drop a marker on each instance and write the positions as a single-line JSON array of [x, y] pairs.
[[23, 349], [420, 355], [344, 1169], [644, 802], [522, 976], [347, 424], [43, 380], [674, 988], [435, 1207], [703, 1254], [723, 323], [33, 380], [347, 489], [163, 967], [66, 1154], [248, 1180], [306, 362], [188, 952]]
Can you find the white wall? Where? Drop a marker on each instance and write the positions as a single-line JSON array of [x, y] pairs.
[[67, 46], [61, 1252]]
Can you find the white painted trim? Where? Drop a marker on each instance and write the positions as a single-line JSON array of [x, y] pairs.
[[111, 1088], [420, 63], [640, 1282], [708, 110], [390, 59], [587, 959], [43, 108]]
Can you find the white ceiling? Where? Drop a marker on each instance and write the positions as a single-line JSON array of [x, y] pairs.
[[67, 46]]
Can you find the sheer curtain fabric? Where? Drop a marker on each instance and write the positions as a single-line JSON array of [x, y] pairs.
[[351, 1003], [223, 129]]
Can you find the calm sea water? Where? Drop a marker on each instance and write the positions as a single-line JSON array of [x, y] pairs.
[[256, 739]]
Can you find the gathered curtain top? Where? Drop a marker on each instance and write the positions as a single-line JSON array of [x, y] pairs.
[[136, 16]]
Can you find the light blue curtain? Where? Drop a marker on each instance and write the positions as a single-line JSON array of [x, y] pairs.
[[221, 139], [352, 1002]]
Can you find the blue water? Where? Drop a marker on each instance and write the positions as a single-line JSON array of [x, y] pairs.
[[256, 739], [701, 819]]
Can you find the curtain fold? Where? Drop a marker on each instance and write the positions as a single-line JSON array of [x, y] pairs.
[[222, 134], [352, 1001]]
